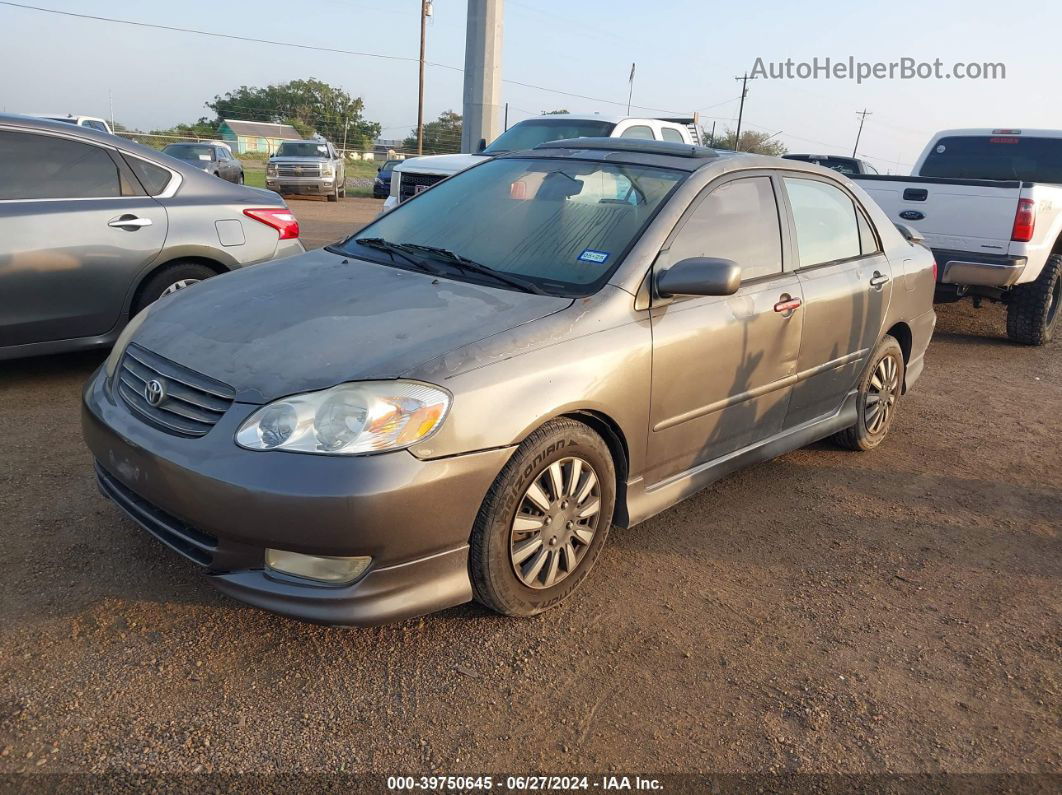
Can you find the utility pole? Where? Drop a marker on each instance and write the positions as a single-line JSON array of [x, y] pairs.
[[506, 125], [741, 110], [862, 118], [482, 102], [425, 12], [712, 144], [110, 101], [630, 92]]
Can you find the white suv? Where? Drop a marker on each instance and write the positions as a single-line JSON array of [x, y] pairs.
[[416, 175]]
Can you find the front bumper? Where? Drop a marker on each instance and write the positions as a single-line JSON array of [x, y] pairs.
[[978, 270], [302, 186], [222, 506]]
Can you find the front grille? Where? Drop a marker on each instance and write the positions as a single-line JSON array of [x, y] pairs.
[[412, 183], [197, 546], [191, 404], [299, 171]]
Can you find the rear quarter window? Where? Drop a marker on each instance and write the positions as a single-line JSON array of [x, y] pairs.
[[153, 178]]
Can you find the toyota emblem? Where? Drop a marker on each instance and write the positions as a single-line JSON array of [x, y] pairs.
[[154, 392]]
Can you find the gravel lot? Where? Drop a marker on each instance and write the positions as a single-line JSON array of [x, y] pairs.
[[829, 611]]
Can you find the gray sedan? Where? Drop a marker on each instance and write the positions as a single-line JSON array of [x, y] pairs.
[[93, 228], [460, 400], [213, 158]]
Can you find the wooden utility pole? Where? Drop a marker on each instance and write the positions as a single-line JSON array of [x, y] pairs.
[[862, 118], [741, 110], [425, 12]]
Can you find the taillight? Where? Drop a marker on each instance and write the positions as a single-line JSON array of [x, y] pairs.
[[280, 218], [1024, 221], [934, 270]]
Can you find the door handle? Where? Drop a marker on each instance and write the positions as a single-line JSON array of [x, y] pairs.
[[878, 280], [130, 222], [787, 305]]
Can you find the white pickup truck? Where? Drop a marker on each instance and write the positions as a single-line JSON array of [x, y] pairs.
[[989, 205], [420, 173]]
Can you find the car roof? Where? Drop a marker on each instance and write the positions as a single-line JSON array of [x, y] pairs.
[[667, 154], [609, 117]]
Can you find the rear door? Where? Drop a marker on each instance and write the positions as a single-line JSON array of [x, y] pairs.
[[76, 228], [846, 282], [722, 364]]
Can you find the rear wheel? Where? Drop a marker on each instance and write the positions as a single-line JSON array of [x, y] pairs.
[[879, 392], [544, 521], [1033, 309], [174, 277]]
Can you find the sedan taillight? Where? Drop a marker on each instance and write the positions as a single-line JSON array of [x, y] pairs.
[[280, 218]]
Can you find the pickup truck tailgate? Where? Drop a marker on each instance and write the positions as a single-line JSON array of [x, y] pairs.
[[961, 215]]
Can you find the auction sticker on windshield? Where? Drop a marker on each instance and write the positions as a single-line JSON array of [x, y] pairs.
[[590, 255]]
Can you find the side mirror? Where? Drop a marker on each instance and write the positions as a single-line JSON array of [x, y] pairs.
[[482, 145], [699, 276]]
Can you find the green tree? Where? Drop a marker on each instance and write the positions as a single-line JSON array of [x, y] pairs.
[[308, 105], [441, 137], [760, 143]]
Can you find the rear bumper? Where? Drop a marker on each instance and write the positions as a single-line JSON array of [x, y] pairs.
[[922, 328], [221, 507], [968, 268]]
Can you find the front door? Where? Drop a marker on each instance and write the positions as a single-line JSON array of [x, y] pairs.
[[722, 364]]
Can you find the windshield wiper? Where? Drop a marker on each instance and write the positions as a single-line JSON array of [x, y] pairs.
[[472, 266], [390, 248]]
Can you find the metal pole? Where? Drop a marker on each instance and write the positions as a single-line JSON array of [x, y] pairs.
[[630, 93], [506, 127], [420, 92], [862, 118], [741, 110], [712, 144], [110, 101]]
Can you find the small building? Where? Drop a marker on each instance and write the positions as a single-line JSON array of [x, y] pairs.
[[256, 136]]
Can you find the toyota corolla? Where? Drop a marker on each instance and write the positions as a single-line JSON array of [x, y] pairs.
[[461, 399]]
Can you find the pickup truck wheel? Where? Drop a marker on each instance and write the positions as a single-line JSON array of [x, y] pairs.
[[174, 277], [544, 520], [334, 195], [879, 391], [1033, 309]]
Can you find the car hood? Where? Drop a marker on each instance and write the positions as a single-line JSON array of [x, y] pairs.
[[316, 320], [441, 164]]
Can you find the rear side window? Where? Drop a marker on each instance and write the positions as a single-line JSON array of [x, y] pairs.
[[826, 222], [671, 134], [47, 167], [736, 221], [868, 241], [638, 131], [1005, 157], [153, 178], [94, 125]]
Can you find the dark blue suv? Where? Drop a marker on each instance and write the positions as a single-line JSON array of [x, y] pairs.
[[381, 186]]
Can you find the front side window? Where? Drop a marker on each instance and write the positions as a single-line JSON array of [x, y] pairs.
[[640, 131], [47, 167], [532, 132], [563, 224], [827, 227], [736, 221]]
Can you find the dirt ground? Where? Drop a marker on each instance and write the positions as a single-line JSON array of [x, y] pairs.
[[895, 611]]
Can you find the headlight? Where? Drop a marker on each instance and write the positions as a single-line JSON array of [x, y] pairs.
[[123, 341], [361, 417], [271, 169], [327, 171]]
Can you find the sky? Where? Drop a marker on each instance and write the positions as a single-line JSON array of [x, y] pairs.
[[687, 56]]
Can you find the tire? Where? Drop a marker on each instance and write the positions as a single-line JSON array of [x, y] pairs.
[[500, 547], [167, 280], [880, 385], [1033, 309], [343, 190], [239, 179], [334, 195]]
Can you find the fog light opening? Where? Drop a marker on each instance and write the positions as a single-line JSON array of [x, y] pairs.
[[324, 569]]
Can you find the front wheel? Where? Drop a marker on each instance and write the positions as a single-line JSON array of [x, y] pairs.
[[334, 195], [1032, 311], [879, 392], [544, 521]]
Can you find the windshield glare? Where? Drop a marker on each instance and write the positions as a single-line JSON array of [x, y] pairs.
[[302, 149], [564, 224], [529, 134], [1005, 157]]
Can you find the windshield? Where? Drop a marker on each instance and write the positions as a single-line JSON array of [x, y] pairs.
[[190, 151], [302, 149], [562, 224], [529, 134], [995, 157]]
